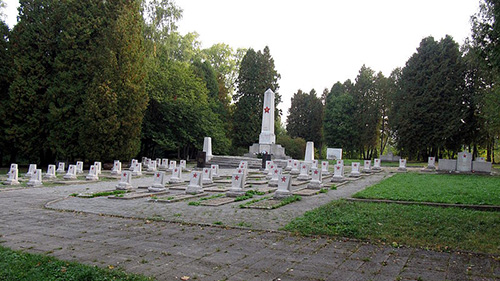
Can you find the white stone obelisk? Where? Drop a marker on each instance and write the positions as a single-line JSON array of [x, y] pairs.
[[309, 155], [267, 135], [207, 148]]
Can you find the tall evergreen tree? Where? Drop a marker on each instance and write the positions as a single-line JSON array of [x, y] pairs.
[[257, 74], [430, 109], [339, 122], [6, 147], [304, 113]]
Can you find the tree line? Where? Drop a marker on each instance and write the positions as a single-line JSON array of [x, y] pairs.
[[446, 98], [103, 80]]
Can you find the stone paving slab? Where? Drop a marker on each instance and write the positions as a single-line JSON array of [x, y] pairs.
[[170, 250], [217, 201]]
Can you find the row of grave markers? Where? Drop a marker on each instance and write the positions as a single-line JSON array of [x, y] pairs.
[[35, 175]]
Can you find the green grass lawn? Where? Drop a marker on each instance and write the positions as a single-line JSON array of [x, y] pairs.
[[410, 225], [455, 189], [17, 265]]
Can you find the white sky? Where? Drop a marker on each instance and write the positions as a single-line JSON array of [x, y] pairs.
[[316, 43]]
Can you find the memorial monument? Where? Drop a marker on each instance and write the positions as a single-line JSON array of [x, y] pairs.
[[267, 138]]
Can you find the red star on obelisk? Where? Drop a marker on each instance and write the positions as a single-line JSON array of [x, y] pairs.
[[236, 177], [266, 109]]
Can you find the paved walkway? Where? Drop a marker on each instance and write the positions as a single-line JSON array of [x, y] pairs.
[[170, 250]]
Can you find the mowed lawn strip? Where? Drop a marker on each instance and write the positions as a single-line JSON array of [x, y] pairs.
[[454, 189], [410, 225], [17, 265]]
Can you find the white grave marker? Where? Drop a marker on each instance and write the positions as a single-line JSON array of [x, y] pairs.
[[61, 168], [304, 172], [173, 165], [125, 181], [314, 164], [132, 164], [195, 183], [338, 173], [316, 180], [284, 187], [98, 167], [31, 170], [79, 167], [289, 165], [71, 174], [152, 166], [164, 164], [237, 184], [367, 166], [92, 176], [270, 172], [13, 175], [376, 164], [137, 169], [51, 172], [325, 165], [176, 175], [117, 168], [36, 178], [207, 176], [296, 168], [276, 174], [464, 162], [354, 170], [158, 182], [402, 165], [183, 165], [215, 170]]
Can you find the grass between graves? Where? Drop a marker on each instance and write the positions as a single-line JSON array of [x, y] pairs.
[[17, 265], [104, 193], [454, 189], [410, 225]]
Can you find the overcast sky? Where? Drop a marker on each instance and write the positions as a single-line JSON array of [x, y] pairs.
[[316, 43]]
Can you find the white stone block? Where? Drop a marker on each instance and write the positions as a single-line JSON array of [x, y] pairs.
[[355, 170], [207, 176], [158, 182], [31, 170], [284, 187], [325, 165], [172, 165], [36, 178], [289, 165], [137, 170], [402, 165], [132, 164], [215, 170], [296, 168], [176, 175], [464, 162], [93, 175], [376, 164], [275, 175], [367, 166], [183, 165], [125, 181], [98, 167], [61, 168], [309, 155], [304, 172], [117, 168], [51, 172], [314, 164], [334, 153], [447, 165], [338, 173], [71, 174], [79, 167], [12, 175], [316, 179], [164, 164], [207, 148], [237, 184], [195, 185], [152, 166]]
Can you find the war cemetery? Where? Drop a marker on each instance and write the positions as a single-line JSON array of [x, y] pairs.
[[129, 153]]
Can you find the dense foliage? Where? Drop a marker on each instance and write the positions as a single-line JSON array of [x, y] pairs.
[[104, 80]]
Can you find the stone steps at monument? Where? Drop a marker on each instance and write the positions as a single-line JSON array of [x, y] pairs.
[[234, 161]]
